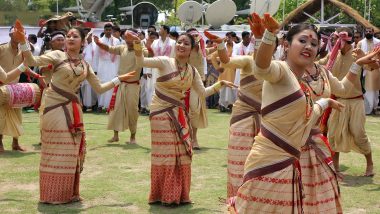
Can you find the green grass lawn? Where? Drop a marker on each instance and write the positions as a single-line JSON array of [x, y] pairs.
[[116, 177]]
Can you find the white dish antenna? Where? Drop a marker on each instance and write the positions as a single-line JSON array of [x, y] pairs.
[[220, 12], [190, 12], [265, 6]]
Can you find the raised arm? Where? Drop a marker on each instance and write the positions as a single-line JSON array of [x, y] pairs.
[[141, 61], [264, 67], [29, 59]]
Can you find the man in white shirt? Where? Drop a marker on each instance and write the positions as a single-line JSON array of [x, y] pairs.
[[164, 46], [372, 78], [108, 65], [89, 97]]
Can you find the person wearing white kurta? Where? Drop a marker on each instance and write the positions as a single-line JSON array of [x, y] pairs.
[[89, 96], [108, 65], [372, 78], [245, 47]]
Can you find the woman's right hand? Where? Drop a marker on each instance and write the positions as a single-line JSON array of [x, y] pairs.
[[270, 23], [213, 37], [19, 32]]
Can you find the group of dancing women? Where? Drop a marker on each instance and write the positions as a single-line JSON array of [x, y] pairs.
[[278, 159]]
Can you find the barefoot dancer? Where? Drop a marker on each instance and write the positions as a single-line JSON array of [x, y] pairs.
[[63, 136]]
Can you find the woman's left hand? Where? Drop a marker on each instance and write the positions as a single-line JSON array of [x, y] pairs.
[[270, 23], [228, 84], [127, 76]]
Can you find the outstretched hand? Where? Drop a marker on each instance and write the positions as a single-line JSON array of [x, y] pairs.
[[256, 25], [127, 76], [371, 59], [270, 23], [213, 37], [19, 32], [228, 84], [335, 105]]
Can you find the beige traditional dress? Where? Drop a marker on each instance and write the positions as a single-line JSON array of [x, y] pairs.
[[198, 110], [3, 76], [63, 135], [10, 118], [123, 110], [171, 130], [271, 182], [319, 181], [347, 128], [245, 121]]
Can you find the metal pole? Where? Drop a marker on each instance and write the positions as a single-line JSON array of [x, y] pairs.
[[369, 10], [322, 11], [132, 14], [283, 9], [57, 7]]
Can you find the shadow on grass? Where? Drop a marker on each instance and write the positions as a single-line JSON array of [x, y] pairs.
[[123, 146], [157, 208], [16, 154], [77, 207], [356, 181]]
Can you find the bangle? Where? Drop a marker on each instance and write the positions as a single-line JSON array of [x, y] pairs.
[[116, 81], [137, 46], [269, 38], [221, 46], [257, 44], [217, 86], [355, 68], [24, 47], [323, 103], [22, 67]]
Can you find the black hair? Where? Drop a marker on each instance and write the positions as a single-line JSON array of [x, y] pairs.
[[174, 34], [116, 28], [81, 32], [244, 34], [154, 33], [191, 29], [122, 31], [192, 40], [108, 25], [299, 28], [32, 37], [152, 26], [166, 28], [142, 32], [133, 30]]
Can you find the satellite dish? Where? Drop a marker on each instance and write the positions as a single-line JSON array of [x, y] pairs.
[[265, 6], [144, 14], [220, 12], [190, 12]]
